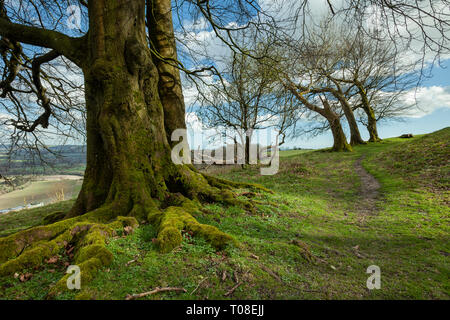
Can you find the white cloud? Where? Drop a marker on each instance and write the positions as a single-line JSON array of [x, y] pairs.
[[428, 100], [195, 25], [193, 122], [5, 129]]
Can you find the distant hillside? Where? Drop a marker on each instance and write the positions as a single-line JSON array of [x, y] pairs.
[[60, 159]]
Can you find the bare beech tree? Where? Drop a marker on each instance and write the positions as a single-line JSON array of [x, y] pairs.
[[324, 46], [298, 73], [245, 101], [378, 74], [358, 70]]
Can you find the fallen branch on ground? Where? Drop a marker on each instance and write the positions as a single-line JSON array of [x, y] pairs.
[[130, 262], [156, 290], [230, 292], [272, 273], [198, 285]]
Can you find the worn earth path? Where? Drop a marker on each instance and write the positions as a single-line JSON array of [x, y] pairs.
[[368, 190]]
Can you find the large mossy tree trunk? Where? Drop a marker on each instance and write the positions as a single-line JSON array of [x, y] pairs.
[[129, 176], [130, 105], [126, 137]]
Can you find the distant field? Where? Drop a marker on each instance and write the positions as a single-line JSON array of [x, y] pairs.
[[71, 160], [289, 153], [41, 191]]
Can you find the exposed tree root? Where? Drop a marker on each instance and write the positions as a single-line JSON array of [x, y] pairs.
[[218, 182], [175, 219], [30, 248], [91, 253]]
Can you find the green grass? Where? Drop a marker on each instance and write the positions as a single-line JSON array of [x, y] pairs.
[[19, 220], [316, 203], [289, 153]]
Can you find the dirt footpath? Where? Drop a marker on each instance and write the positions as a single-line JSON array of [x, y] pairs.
[[368, 190]]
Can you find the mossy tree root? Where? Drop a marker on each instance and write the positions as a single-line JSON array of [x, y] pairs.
[[173, 220], [202, 188], [91, 252], [180, 209], [30, 248], [223, 183]]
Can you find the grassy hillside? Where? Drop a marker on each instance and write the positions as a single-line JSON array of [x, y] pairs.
[[422, 162], [20, 220], [312, 239]]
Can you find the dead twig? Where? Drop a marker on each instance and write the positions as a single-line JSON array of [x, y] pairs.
[[272, 273], [230, 292], [254, 256], [130, 262], [156, 290], [199, 285]]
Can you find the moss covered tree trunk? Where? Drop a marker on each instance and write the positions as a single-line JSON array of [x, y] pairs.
[[339, 139], [133, 101], [126, 136], [371, 119], [355, 136], [371, 124], [164, 54]]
